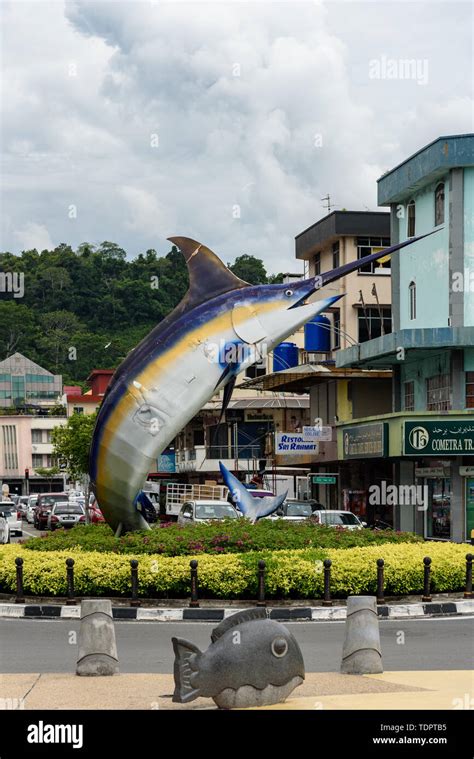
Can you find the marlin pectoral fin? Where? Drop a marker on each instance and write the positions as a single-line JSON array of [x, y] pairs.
[[208, 276], [228, 390]]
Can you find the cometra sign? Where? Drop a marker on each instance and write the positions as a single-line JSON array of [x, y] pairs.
[[430, 438]]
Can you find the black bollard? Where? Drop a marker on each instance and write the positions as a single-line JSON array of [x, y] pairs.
[[327, 582], [426, 597], [261, 584], [134, 571], [71, 601], [380, 581], [468, 590], [194, 603], [20, 595]]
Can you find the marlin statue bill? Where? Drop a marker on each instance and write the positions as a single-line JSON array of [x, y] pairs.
[[163, 382], [242, 498]]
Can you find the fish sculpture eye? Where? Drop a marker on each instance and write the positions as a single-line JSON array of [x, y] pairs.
[[279, 647], [288, 293]]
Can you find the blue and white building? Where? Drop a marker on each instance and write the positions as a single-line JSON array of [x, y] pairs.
[[429, 435]]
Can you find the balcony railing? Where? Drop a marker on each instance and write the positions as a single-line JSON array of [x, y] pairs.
[[234, 452]]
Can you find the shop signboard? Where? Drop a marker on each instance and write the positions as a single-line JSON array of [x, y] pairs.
[[365, 441], [322, 433], [426, 437], [294, 444]]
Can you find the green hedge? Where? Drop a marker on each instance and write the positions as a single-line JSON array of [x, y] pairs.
[[289, 574], [229, 536]]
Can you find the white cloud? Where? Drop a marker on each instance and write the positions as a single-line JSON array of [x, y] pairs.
[[225, 140], [34, 236]]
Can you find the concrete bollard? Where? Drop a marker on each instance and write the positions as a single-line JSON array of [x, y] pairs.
[[361, 653], [97, 646]]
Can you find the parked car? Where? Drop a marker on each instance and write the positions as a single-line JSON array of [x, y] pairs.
[[193, 512], [65, 514], [345, 519], [4, 529], [44, 505], [13, 517], [96, 515], [30, 509], [22, 505], [296, 510]]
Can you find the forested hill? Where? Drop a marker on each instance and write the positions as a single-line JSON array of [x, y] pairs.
[[87, 308]]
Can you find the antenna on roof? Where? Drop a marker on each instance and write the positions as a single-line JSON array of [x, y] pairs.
[[329, 205]]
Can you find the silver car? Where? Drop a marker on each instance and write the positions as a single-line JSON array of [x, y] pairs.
[[30, 509], [66, 514], [195, 512]]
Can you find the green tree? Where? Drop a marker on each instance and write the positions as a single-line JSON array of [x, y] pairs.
[[72, 442], [250, 269]]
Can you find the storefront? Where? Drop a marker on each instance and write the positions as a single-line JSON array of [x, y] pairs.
[[427, 460]]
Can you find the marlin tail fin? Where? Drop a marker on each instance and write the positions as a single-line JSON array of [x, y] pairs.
[[186, 669]]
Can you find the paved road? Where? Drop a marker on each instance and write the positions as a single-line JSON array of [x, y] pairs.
[[28, 532], [48, 645]]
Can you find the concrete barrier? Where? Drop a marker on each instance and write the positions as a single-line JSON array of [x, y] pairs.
[[97, 646], [361, 653]]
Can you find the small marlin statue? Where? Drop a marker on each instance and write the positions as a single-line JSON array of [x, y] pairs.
[[163, 382], [250, 507]]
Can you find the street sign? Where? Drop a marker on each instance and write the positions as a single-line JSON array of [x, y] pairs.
[[324, 479]]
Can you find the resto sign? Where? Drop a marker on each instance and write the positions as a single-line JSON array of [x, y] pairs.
[[432, 438], [294, 443]]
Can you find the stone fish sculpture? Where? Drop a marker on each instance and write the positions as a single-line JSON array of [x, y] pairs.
[[252, 661]]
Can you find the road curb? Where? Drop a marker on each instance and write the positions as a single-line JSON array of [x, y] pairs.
[[282, 614]]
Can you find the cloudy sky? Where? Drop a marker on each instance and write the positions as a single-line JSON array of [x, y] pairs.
[[225, 122]]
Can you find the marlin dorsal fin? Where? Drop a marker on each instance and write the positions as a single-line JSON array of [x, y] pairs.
[[208, 276], [237, 619]]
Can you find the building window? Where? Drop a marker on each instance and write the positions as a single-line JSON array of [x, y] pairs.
[[337, 328], [411, 219], [255, 370], [409, 403], [438, 514], [36, 436], [78, 410], [18, 390], [370, 324], [412, 299], [37, 460], [368, 245], [335, 255], [469, 389], [317, 264], [438, 393], [439, 205], [10, 454]]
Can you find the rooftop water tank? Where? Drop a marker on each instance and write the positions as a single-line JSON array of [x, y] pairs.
[[285, 356], [317, 335]]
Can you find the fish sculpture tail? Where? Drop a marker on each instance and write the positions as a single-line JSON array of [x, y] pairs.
[[186, 669]]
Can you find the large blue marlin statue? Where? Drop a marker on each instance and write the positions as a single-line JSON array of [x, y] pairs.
[[163, 382]]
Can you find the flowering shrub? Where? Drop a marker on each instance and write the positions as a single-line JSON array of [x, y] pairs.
[[230, 536], [289, 573]]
